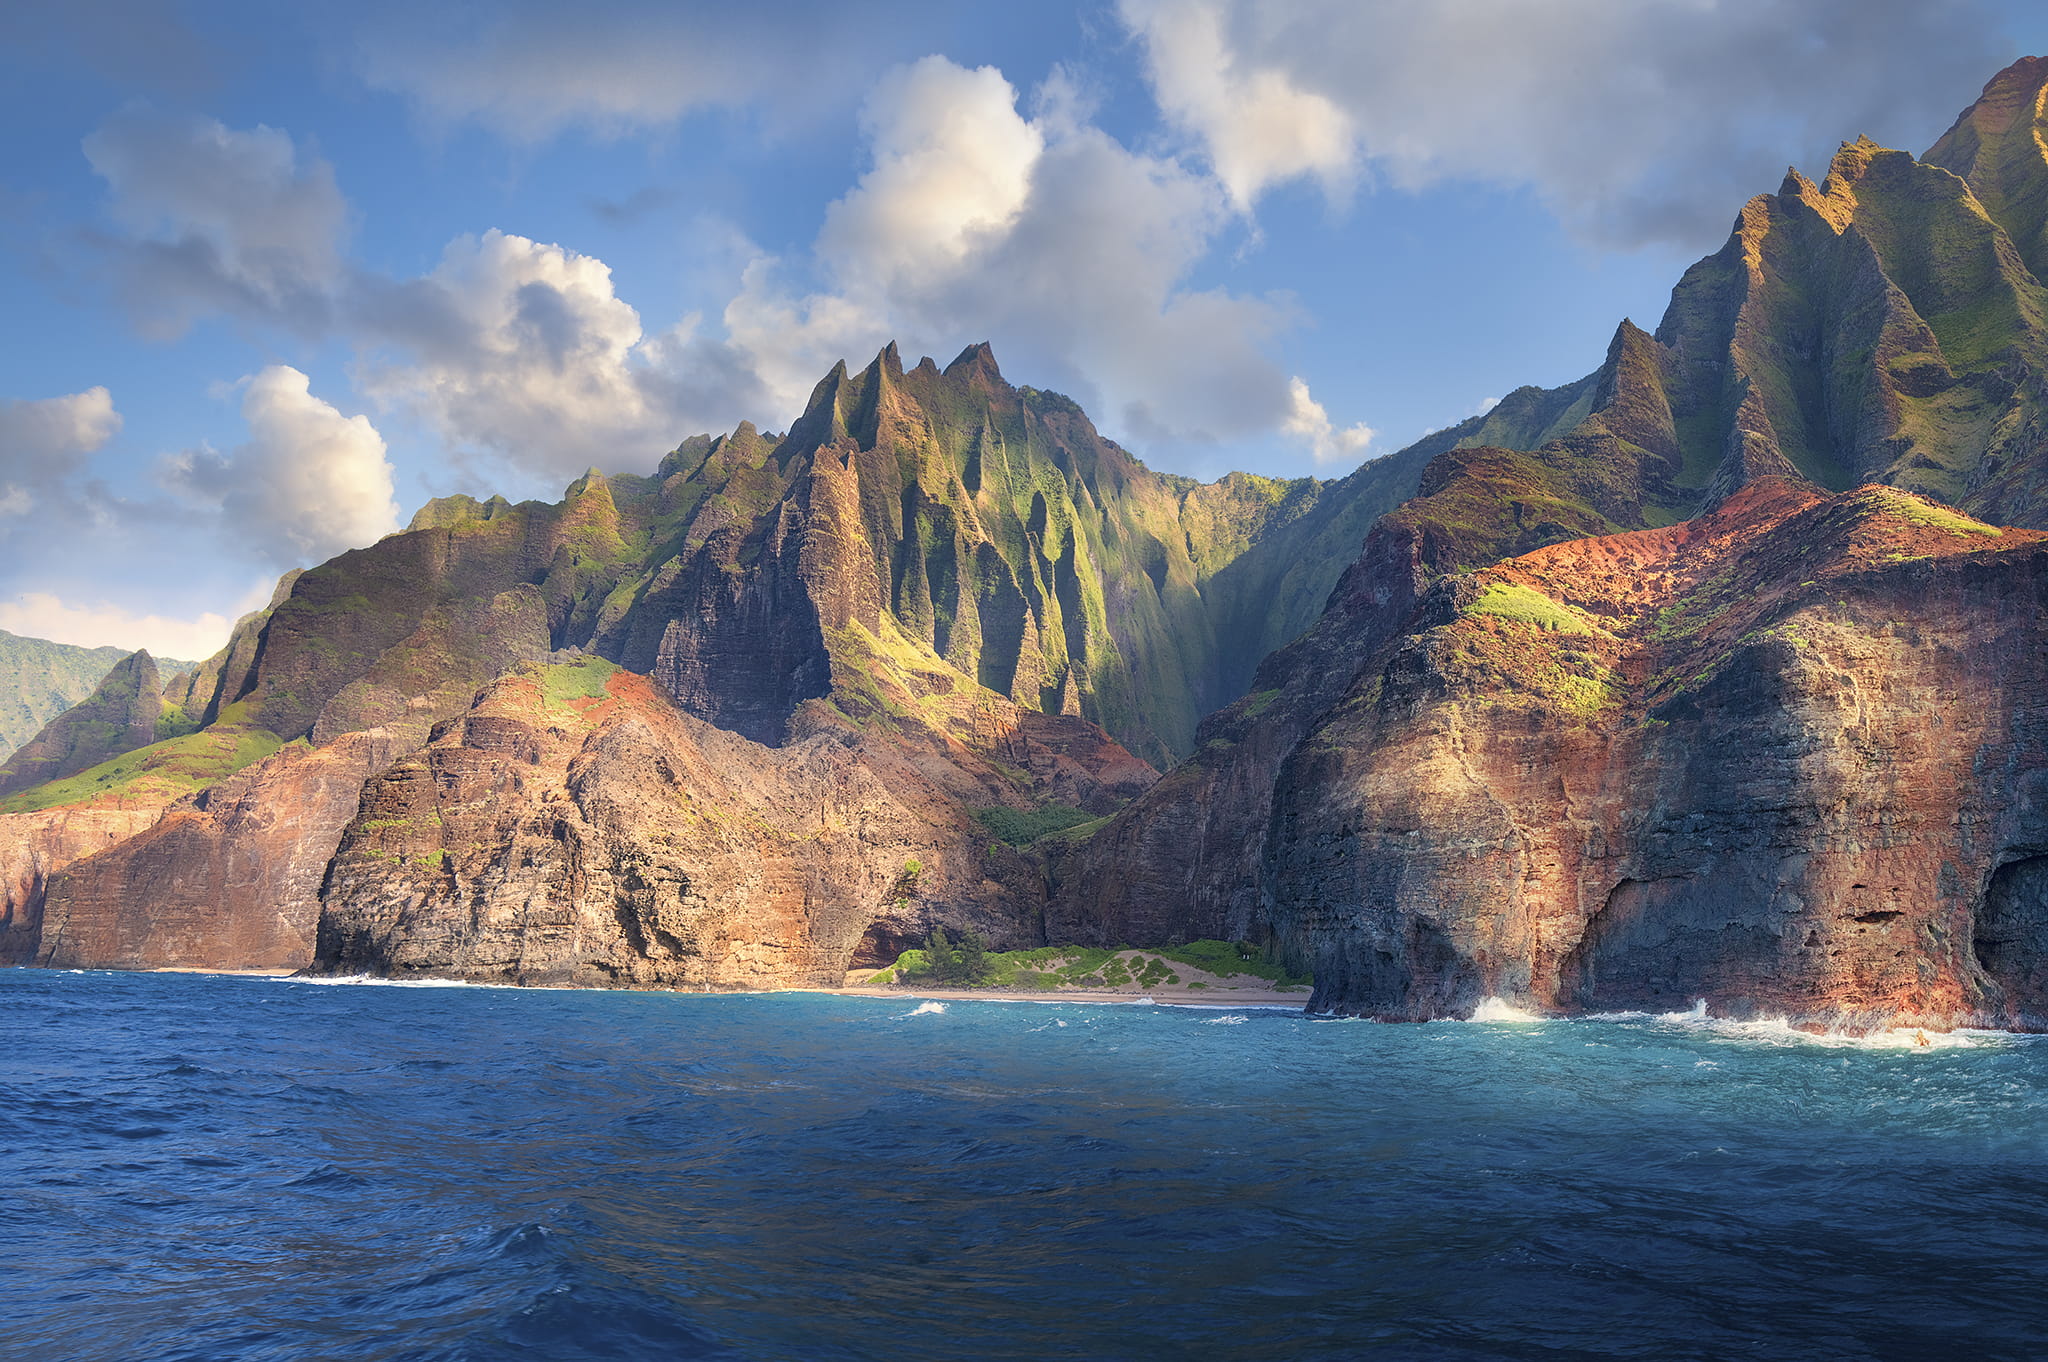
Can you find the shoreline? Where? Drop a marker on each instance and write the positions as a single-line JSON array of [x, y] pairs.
[[1161, 997]]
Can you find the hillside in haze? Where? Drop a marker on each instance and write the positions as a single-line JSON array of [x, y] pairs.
[[40, 680]]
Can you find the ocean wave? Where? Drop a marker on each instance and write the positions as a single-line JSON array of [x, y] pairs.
[[1501, 1010]]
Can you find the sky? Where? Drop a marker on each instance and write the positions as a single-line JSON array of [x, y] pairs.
[[273, 276]]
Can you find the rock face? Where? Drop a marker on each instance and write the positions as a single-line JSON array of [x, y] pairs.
[[228, 878], [34, 846], [575, 827], [1883, 325], [1787, 758], [1186, 860]]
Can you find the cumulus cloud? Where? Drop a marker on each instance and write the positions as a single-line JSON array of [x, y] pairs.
[[45, 440], [310, 482], [530, 68], [1309, 423], [1635, 120], [1070, 251], [1258, 125], [523, 351], [218, 219], [104, 624]]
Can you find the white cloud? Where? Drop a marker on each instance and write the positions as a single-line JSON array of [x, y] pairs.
[[219, 220], [1046, 236], [952, 171], [522, 350], [37, 614], [1258, 126], [1635, 120], [530, 68], [56, 429], [310, 482], [1309, 423], [44, 440]]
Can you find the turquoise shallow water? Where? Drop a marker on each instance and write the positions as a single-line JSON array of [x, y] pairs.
[[211, 1168]]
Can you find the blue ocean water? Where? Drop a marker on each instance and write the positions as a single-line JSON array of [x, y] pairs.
[[224, 1168]]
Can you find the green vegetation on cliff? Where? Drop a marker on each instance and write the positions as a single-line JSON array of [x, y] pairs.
[[158, 773], [1052, 968]]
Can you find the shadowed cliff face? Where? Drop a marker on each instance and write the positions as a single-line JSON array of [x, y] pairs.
[[1783, 758], [226, 879]]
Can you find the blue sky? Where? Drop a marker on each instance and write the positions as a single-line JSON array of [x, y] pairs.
[[273, 279]]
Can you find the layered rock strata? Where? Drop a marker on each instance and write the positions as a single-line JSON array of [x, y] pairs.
[[1788, 758], [228, 878], [575, 827]]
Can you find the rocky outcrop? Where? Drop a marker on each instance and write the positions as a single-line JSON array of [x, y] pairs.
[[1787, 758], [228, 878], [576, 827], [34, 846]]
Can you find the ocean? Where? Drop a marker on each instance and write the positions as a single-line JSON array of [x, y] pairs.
[[212, 1168]]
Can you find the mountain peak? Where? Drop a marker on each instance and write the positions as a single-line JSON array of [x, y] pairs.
[[978, 359]]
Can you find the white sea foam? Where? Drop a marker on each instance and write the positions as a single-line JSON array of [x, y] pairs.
[[1227, 1019], [1500, 1010], [1780, 1031], [922, 1008]]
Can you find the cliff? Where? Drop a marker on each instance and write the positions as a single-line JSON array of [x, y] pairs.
[[1883, 325], [576, 827], [1785, 758]]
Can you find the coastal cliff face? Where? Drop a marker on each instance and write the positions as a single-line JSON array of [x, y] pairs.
[[228, 878], [1884, 325], [1787, 758], [575, 827], [34, 846]]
